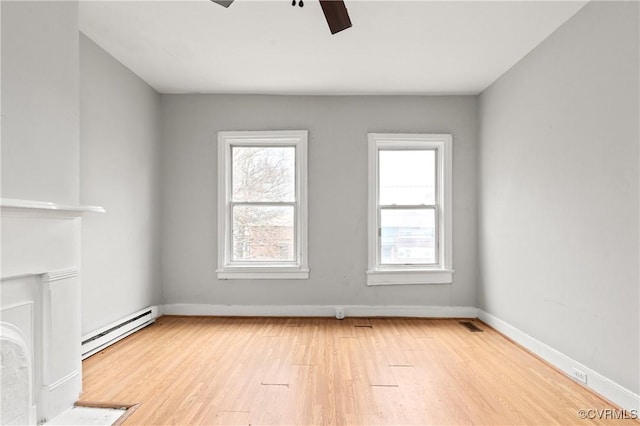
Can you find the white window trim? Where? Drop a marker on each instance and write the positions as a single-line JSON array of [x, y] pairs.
[[442, 273], [298, 269]]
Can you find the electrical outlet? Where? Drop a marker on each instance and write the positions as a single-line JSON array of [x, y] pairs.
[[339, 312], [580, 376]]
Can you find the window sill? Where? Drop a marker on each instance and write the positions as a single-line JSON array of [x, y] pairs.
[[262, 273], [399, 277]]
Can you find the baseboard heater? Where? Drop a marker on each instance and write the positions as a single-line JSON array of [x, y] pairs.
[[110, 334]]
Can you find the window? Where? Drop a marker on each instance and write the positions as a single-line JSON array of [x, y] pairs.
[[262, 205], [409, 209]]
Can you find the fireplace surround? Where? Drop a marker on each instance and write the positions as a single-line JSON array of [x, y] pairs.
[[40, 330]]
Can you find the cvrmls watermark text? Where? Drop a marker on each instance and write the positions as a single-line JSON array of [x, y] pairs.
[[607, 414]]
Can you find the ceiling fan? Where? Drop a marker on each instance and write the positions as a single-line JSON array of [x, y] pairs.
[[334, 11]]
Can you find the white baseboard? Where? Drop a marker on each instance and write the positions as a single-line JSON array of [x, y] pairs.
[[322, 310], [595, 381]]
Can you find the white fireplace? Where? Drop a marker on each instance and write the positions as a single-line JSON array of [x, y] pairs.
[[40, 330]]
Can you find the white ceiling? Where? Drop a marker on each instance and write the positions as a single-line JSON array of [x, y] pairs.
[[270, 47]]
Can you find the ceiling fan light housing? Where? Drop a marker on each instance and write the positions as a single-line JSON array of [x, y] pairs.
[[224, 3]]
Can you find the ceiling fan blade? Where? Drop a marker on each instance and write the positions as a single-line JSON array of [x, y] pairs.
[[336, 13], [224, 3]]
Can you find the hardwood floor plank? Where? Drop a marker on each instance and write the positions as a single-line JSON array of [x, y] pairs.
[[321, 371]]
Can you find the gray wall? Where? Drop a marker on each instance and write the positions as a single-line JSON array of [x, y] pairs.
[[119, 167], [559, 192], [338, 129], [40, 101]]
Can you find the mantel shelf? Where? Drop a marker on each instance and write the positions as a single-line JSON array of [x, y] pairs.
[[17, 206]]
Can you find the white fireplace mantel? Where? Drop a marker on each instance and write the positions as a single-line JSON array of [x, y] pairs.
[[40, 280], [14, 206]]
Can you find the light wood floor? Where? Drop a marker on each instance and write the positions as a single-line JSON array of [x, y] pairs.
[[304, 371]]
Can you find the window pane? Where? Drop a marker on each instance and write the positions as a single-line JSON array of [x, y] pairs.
[[263, 233], [407, 177], [263, 173], [407, 236]]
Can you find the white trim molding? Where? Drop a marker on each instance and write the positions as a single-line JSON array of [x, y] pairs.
[[441, 271], [62, 274], [321, 310], [596, 381], [436, 276], [231, 273], [298, 267], [61, 382], [59, 344]]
